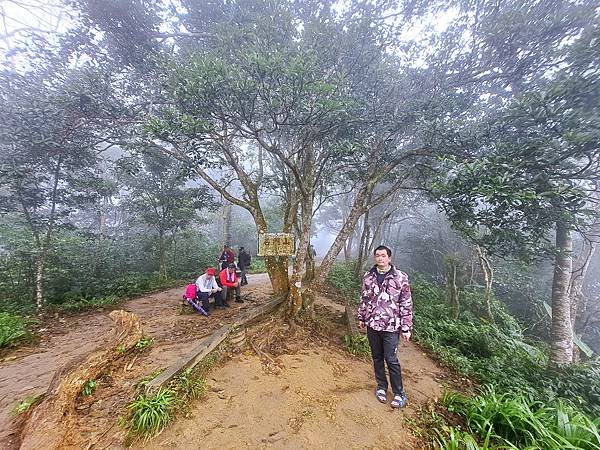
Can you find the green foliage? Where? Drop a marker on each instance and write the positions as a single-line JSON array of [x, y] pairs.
[[257, 265], [189, 385], [84, 273], [13, 328], [498, 354], [342, 278], [144, 343], [357, 344], [27, 402], [452, 438], [517, 421], [151, 415], [144, 381], [89, 387]]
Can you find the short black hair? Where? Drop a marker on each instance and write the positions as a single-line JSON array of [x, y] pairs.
[[241, 248], [383, 247]]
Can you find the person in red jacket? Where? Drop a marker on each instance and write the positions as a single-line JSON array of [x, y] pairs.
[[227, 257], [230, 281]]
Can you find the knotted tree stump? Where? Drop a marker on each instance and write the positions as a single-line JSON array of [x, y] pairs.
[[49, 422]]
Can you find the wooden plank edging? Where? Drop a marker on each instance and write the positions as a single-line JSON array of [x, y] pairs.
[[205, 347]]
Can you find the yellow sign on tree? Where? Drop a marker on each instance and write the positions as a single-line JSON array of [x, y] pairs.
[[276, 244]]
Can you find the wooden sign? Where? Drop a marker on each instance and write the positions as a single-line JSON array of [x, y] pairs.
[[276, 244]]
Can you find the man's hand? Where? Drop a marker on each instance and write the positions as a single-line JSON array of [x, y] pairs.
[[406, 336], [361, 325]]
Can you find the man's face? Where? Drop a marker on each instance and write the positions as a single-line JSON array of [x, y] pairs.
[[382, 259], [231, 269], [209, 275]]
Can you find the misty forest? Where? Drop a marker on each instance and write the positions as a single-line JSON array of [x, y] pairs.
[[140, 137]]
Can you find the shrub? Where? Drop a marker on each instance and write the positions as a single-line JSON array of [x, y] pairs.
[[342, 278], [13, 328], [357, 344], [257, 265]]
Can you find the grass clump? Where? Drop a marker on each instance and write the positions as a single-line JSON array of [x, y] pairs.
[[13, 329], [89, 387], [24, 405], [144, 343], [190, 386], [525, 405], [357, 344], [149, 415], [518, 421]]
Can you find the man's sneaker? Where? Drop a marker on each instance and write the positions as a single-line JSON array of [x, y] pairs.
[[239, 300], [399, 401]]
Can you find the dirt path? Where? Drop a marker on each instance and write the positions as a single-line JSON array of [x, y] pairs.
[[29, 370], [317, 397], [309, 393]]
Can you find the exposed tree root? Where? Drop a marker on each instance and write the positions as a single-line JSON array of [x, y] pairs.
[[48, 425]]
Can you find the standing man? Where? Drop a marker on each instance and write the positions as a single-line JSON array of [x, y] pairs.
[[385, 310], [244, 261], [206, 287]]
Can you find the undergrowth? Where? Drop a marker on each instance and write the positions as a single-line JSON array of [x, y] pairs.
[[13, 329], [523, 404], [148, 415], [357, 344], [342, 278]]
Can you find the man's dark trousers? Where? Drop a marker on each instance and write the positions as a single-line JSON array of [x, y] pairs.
[[204, 296], [383, 348]]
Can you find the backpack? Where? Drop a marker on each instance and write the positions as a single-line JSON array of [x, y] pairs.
[[190, 292]]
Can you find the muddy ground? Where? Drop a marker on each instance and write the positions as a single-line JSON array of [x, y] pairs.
[[175, 329]]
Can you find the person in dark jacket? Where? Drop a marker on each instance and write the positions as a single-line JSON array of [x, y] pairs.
[[244, 261]]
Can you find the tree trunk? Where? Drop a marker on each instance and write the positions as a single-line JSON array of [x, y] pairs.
[[226, 223], [488, 276], [347, 232], [296, 291], [347, 248], [561, 339], [582, 264], [45, 245], [364, 239], [309, 273], [277, 269], [39, 280], [162, 260], [454, 293]]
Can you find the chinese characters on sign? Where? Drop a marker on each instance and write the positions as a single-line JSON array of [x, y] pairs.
[[276, 244]]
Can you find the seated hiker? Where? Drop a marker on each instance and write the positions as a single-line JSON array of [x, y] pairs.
[[230, 282], [206, 287]]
